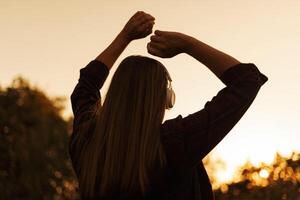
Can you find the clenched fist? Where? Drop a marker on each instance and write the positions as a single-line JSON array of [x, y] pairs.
[[139, 26], [166, 44]]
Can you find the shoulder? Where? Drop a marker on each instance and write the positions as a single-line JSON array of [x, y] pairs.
[[172, 128]]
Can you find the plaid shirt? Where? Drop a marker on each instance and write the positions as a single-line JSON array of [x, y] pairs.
[[187, 140]]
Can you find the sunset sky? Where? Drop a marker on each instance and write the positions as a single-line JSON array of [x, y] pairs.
[[47, 42]]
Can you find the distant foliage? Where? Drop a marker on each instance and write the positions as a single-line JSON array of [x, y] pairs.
[[280, 180], [33, 145]]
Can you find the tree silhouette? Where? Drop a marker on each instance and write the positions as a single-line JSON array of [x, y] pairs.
[[33, 145]]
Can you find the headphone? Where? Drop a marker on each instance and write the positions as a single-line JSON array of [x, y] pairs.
[[170, 92]]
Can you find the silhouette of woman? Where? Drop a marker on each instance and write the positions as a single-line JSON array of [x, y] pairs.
[[121, 149]]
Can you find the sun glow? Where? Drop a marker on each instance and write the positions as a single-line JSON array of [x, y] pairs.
[[264, 173]]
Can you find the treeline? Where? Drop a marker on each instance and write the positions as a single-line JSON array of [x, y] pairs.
[[276, 181], [35, 163], [33, 145]]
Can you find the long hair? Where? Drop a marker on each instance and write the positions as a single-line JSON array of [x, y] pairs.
[[125, 144]]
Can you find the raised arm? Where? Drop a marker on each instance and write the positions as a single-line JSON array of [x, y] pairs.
[[86, 93], [139, 26], [167, 44], [92, 77], [203, 130]]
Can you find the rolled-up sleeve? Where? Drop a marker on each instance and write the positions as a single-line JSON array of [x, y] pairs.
[[203, 130], [86, 93], [84, 98]]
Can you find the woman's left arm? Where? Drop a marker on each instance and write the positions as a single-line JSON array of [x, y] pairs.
[[139, 26], [92, 77]]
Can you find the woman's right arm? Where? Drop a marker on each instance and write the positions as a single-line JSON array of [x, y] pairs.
[[204, 129], [167, 44], [217, 61]]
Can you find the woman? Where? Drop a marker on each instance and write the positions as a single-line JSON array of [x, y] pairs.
[[121, 149]]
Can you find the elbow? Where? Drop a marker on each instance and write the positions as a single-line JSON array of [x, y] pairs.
[[252, 90], [73, 98], [255, 81], [74, 95]]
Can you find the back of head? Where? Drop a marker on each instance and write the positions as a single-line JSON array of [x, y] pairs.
[[126, 144], [139, 85]]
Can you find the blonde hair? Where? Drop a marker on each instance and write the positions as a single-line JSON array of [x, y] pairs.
[[125, 144]]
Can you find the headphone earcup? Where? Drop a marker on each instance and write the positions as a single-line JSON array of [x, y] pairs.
[[170, 98]]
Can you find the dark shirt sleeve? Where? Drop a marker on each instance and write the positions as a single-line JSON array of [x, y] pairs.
[[85, 97], [86, 93], [203, 130]]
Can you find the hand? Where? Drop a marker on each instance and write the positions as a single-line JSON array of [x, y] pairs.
[[166, 44], [139, 26]]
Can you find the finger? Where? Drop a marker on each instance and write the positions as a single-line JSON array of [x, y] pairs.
[[158, 32], [147, 23], [156, 38], [150, 17], [156, 45], [146, 26], [149, 27], [148, 32], [143, 21], [146, 15], [145, 29], [141, 17], [153, 51]]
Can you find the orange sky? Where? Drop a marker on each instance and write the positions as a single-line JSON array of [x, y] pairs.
[[48, 42]]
